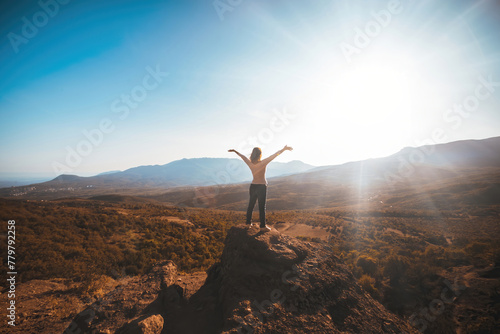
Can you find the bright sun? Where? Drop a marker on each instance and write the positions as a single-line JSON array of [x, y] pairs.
[[369, 105]]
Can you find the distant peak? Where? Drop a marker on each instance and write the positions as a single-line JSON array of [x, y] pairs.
[[67, 177]]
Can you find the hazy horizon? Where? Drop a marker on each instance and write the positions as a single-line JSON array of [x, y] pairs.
[[93, 87], [28, 177], [13, 176]]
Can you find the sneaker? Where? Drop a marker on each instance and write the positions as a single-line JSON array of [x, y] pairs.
[[265, 229]]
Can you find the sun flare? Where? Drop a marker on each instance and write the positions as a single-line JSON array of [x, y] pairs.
[[370, 104]]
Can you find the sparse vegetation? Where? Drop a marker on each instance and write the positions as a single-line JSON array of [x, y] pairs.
[[400, 258], [83, 239]]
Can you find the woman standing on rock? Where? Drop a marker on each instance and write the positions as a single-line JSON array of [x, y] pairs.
[[258, 187]]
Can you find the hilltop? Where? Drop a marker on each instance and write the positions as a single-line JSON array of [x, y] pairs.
[[263, 283]]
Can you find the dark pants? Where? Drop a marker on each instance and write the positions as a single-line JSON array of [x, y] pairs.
[[257, 192]]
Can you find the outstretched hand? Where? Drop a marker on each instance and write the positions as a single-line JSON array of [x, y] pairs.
[[232, 150], [287, 148]]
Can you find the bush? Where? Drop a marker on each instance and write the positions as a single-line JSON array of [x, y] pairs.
[[395, 268], [476, 248], [434, 255], [482, 325], [131, 270], [456, 257], [368, 284], [368, 264]]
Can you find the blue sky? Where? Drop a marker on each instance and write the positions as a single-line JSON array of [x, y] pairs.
[[337, 80]]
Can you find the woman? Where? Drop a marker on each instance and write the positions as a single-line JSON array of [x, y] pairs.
[[258, 188]]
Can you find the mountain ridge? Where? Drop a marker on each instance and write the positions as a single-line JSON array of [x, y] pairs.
[[204, 181], [179, 173], [375, 183], [197, 165]]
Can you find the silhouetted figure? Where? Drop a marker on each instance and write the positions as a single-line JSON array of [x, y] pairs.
[[258, 187]]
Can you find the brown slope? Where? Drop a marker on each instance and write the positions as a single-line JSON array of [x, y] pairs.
[[264, 283]]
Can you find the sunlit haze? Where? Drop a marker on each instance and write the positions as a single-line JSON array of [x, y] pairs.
[[89, 87]]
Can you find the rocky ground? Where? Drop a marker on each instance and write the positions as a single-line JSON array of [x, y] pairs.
[[43, 305], [264, 283]]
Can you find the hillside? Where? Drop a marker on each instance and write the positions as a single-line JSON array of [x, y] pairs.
[[82, 249], [263, 283]]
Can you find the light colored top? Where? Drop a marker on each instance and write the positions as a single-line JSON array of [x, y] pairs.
[[259, 169]]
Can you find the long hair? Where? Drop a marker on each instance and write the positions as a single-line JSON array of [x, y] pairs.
[[256, 155]]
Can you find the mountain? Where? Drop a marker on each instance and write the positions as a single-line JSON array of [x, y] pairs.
[[202, 171], [413, 163], [142, 179], [428, 177], [442, 176], [109, 172], [458, 154], [263, 283]]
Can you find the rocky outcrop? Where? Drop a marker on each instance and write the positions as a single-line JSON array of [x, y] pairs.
[[135, 306], [152, 324], [263, 283], [272, 283]]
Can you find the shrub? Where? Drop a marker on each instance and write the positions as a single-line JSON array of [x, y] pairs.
[[482, 325], [131, 270], [395, 268], [368, 284], [368, 264], [476, 248]]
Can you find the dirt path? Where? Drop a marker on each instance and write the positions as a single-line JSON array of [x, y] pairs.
[[303, 230]]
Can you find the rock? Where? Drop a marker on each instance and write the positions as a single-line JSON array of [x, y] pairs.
[[166, 271], [128, 302], [152, 324], [171, 297], [272, 283], [263, 283]]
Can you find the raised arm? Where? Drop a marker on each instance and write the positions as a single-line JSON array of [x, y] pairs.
[[247, 161], [271, 157]]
